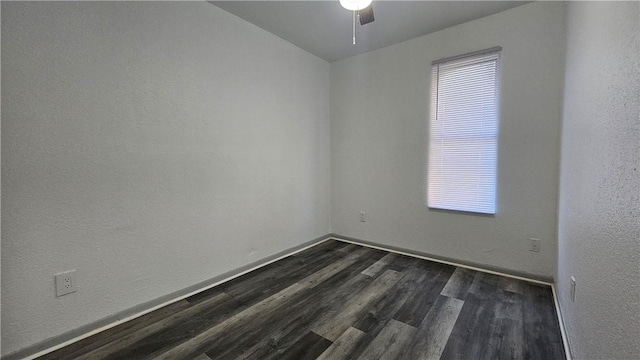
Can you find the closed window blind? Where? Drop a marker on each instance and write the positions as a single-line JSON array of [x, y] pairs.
[[463, 133]]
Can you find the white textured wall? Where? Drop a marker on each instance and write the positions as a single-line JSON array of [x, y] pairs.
[[599, 211], [150, 146], [379, 104]]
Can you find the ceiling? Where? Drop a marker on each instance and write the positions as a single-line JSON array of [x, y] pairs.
[[324, 28]]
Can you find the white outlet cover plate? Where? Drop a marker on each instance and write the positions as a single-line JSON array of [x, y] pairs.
[[572, 289], [535, 245], [66, 283]]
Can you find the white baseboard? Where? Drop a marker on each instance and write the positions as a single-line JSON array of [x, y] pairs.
[[267, 261], [448, 262], [66, 339], [563, 333]]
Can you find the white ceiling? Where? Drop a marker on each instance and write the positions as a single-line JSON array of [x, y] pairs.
[[323, 28]]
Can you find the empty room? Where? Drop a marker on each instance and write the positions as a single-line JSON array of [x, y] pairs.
[[339, 179]]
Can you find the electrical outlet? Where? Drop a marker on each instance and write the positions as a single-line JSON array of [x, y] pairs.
[[363, 216], [66, 283], [572, 289], [535, 245]]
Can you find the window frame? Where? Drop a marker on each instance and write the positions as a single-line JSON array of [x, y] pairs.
[[489, 208]]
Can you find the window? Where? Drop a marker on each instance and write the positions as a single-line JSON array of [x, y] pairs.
[[463, 132]]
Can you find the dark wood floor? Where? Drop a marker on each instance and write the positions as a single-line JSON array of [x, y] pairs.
[[343, 301]]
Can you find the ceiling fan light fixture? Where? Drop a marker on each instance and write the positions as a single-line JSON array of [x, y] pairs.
[[355, 5]]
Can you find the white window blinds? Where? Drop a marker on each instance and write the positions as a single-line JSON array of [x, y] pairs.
[[463, 133]]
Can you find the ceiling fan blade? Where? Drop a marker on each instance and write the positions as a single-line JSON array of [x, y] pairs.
[[366, 15]]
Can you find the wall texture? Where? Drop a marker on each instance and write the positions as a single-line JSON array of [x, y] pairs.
[[599, 205], [149, 146], [379, 105]]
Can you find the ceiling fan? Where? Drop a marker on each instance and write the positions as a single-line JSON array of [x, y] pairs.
[[362, 9]]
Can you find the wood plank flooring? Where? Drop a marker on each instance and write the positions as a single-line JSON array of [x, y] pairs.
[[342, 301]]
